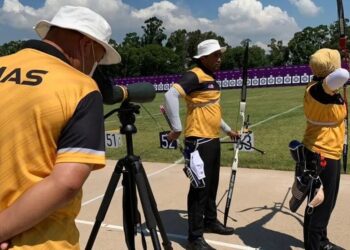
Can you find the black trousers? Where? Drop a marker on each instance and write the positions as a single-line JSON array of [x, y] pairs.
[[315, 224], [201, 202]]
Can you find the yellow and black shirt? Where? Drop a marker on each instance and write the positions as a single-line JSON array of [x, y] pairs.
[[49, 113], [202, 95], [325, 121]]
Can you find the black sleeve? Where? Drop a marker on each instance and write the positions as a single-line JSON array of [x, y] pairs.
[[318, 93], [85, 130], [189, 82]]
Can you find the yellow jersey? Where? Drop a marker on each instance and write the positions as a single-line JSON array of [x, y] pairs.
[[202, 95], [325, 116], [49, 113]]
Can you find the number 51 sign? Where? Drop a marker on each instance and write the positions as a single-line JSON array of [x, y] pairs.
[[113, 139]]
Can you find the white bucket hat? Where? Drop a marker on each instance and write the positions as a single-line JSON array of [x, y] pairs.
[[207, 47], [86, 22]]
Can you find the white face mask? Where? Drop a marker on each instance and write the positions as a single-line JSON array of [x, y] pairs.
[[93, 69], [95, 63]]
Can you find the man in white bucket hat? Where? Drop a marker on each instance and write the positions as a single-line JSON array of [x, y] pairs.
[[202, 145], [52, 129], [208, 47]]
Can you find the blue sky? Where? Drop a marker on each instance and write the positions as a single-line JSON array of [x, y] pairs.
[[235, 20]]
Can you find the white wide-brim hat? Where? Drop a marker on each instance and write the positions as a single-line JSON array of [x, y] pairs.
[[86, 22], [207, 47]]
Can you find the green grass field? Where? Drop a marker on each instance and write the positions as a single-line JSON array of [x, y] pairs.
[[276, 117]]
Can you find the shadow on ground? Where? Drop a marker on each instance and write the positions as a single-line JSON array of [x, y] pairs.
[[254, 234], [175, 223]]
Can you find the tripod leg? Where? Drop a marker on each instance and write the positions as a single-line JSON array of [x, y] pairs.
[[166, 243], [105, 203], [146, 204], [130, 213]]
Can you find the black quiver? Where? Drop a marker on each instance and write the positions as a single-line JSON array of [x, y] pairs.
[[307, 170]]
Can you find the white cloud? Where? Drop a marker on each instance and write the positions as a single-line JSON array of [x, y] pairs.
[[18, 16], [22, 14], [306, 7], [263, 46], [237, 19], [242, 19], [173, 17]]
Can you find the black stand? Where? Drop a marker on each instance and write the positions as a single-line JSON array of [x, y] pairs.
[[134, 176]]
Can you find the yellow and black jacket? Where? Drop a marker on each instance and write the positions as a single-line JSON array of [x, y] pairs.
[[325, 127], [49, 113], [202, 95]]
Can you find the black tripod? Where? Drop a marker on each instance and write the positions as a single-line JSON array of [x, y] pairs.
[[134, 176]]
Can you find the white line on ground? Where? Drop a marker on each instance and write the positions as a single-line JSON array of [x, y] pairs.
[[181, 159], [218, 243], [172, 236], [269, 118], [277, 115], [138, 117], [120, 187]]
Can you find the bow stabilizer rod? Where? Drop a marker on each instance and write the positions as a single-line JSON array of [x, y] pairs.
[[345, 53]]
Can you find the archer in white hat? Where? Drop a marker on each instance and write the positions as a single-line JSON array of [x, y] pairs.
[[209, 54], [53, 111], [204, 123], [207, 47]]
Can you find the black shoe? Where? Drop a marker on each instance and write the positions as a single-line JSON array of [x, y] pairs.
[[218, 228], [331, 246], [199, 244]]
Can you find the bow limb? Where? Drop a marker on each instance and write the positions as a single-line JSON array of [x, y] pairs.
[[242, 106], [344, 50]]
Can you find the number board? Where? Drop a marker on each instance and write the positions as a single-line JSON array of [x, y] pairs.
[[165, 143], [113, 139]]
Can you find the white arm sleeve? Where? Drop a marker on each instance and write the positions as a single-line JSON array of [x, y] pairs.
[[226, 128], [172, 108], [336, 79]]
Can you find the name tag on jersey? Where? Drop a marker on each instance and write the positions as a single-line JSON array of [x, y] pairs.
[[113, 139]]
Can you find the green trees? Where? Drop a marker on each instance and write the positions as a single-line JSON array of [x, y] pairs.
[[10, 47], [279, 54], [153, 53], [306, 42], [153, 32]]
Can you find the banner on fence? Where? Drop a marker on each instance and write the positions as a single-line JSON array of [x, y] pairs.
[[259, 77]]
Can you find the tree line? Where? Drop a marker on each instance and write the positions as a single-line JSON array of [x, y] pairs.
[[154, 53]]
